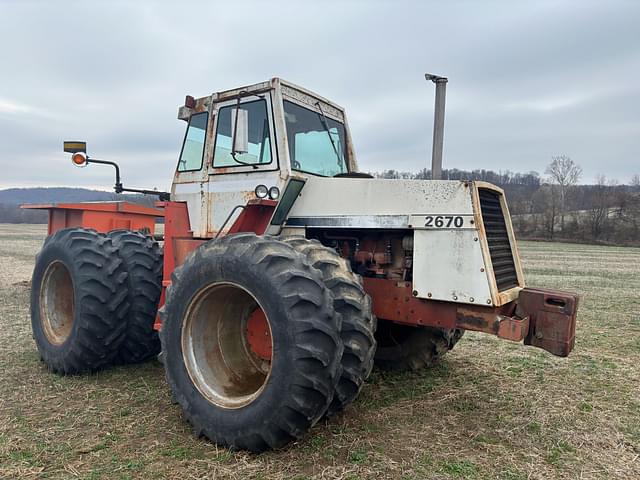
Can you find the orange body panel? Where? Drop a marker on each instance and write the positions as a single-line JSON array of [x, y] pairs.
[[393, 300], [254, 217], [101, 216], [179, 240]]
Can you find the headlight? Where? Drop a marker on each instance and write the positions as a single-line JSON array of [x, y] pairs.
[[261, 191], [274, 193]]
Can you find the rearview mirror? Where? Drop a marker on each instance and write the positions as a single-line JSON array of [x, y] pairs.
[[240, 131]]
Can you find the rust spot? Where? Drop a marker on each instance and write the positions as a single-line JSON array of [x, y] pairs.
[[259, 334], [514, 329], [469, 321], [249, 195]]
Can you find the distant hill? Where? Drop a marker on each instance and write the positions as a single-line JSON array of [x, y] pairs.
[[17, 196], [12, 198]]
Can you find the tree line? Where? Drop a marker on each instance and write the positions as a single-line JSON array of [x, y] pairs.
[[555, 206]]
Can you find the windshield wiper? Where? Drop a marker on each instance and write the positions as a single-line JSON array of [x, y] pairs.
[[325, 125]]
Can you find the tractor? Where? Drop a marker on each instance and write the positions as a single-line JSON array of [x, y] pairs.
[[283, 273]]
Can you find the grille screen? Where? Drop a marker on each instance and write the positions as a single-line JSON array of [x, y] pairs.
[[504, 268]]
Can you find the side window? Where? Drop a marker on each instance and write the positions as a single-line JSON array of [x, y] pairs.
[[259, 140], [193, 147]]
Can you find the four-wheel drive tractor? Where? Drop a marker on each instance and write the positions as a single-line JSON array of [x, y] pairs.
[[284, 275]]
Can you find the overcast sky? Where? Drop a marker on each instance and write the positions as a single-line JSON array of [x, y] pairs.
[[527, 80]]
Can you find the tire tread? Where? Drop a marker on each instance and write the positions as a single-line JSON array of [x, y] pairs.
[[358, 322], [142, 258]]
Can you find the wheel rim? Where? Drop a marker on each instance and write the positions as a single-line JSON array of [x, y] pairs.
[[57, 303], [221, 360]]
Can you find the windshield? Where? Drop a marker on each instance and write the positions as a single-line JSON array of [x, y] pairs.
[[316, 143]]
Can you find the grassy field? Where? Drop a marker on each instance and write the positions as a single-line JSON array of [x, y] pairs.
[[492, 410]]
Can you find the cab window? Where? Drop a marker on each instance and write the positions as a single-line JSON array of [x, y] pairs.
[[193, 146], [259, 138], [316, 142]]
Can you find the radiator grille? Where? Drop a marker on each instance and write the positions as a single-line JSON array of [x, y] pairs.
[[495, 227]]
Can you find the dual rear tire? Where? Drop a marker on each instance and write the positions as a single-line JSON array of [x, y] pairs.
[[233, 388], [94, 298]]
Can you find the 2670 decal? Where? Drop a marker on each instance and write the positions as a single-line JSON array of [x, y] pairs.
[[444, 221]]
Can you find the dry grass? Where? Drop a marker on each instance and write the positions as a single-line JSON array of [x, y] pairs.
[[493, 409]]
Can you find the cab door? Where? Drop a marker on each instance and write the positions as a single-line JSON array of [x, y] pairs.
[[190, 178], [232, 181]]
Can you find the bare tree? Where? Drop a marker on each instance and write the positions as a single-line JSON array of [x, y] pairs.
[[634, 213], [599, 211], [565, 173], [635, 181], [546, 201]]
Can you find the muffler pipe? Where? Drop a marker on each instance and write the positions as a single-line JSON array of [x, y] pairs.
[[438, 124]]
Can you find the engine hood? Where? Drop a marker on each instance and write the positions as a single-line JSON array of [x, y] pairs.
[[392, 202]]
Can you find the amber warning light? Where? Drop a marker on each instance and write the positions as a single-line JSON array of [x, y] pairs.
[[79, 159]]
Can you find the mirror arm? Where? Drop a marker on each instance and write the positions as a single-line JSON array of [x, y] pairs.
[[164, 196], [118, 185], [118, 188], [233, 155]]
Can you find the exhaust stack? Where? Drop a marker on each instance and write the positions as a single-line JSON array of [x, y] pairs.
[[438, 124]]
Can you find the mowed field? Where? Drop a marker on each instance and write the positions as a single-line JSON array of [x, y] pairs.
[[492, 410]]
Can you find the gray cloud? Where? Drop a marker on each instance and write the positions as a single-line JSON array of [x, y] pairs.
[[527, 80]]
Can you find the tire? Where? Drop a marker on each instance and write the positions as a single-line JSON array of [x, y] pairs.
[[78, 301], [358, 322], [226, 391], [142, 259], [402, 347]]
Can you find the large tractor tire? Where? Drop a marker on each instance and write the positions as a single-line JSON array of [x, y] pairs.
[[358, 322], [78, 301], [251, 342], [142, 260], [402, 347]]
